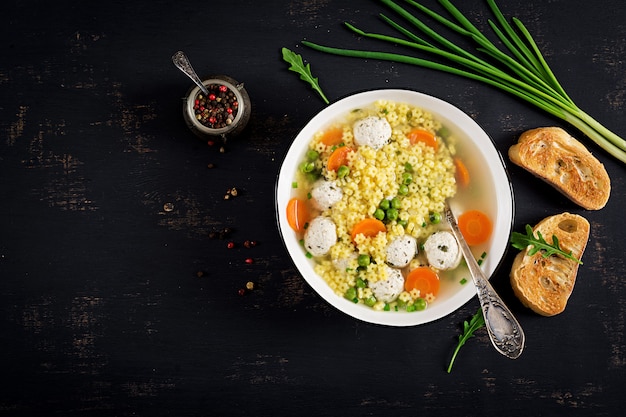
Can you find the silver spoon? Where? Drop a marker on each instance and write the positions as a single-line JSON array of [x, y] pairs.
[[182, 62], [504, 330]]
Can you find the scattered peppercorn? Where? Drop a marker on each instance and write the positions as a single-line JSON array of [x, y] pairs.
[[200, 274], [220, 234], [249, 261], [168, 207], [250, 285], [249, 244], [210, 165], [241, 291], [230, 245], [231, 192]]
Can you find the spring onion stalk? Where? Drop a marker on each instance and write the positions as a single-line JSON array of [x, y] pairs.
[[517, 67]]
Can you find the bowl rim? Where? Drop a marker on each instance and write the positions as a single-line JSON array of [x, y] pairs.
[[502, 227]]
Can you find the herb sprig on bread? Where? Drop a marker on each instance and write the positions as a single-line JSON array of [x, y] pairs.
[[522, 241]]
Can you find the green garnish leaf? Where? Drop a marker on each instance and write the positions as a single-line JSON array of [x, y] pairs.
[[522, 241], [297, 65], [476, 322]]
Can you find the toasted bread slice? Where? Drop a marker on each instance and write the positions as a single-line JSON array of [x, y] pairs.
[[551, 154], [545, 284]]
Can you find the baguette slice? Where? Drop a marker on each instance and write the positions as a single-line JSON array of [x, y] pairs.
[[545, 284], [551, 154]]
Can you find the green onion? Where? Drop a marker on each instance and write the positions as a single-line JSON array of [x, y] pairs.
[[518, 67]]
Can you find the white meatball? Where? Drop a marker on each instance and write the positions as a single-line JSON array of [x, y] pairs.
[[442, 250], [389, 289], [325, 194], [372, 131], [320, 236], [401, 250]]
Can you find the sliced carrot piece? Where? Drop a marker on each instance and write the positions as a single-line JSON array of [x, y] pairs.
[[462, 174], [338, 158], [297, 214], [369, 227], [332, 136], [420, 135], [475, 226], [422, 279]]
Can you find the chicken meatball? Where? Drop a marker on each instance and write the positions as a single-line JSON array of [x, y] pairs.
[[372, 131], [401, 250], [389, 289], [325, 194], [320, 236], [442, 250]]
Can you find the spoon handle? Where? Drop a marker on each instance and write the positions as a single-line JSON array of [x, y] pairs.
[[182, 63], [504, 330]]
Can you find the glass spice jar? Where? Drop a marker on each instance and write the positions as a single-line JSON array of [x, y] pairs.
[[224, 113]]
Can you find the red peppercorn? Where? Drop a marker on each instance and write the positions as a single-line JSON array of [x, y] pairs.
[[229, 110], [249, 261], [230, 245], [223, 88], [241, 291], [211, 97]]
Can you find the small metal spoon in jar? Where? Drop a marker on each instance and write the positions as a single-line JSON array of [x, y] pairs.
[[182, 63], [504, 330]]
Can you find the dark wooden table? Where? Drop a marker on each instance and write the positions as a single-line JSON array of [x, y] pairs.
[[112, 305]]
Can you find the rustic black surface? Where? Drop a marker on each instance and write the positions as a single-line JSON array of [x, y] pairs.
[[102, 311]]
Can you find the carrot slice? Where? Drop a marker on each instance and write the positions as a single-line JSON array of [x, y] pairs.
[[420, 135], [332, 136], [297, 214], [369, 227], [422, 279], [475, 226], [462, 174], [338, 158]]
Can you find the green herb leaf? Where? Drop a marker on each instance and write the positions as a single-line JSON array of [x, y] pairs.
[[522, 241], [476, 322], [297, 65]]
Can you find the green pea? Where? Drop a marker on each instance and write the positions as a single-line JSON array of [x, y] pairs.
[[312, 155], [407, 178], [392, 214], [384, 204], [360, 283], [395, 203], [403, 223], [343, 171], [350, 293], [420, 304], [408, 167], [435, 218], [363, 260], [379, 214], [370, 301], [308, 167], [403, 189]]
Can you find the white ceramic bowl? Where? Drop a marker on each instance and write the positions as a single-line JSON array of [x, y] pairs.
[[486, 157]]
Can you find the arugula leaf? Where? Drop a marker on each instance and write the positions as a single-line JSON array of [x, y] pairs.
[[476, 322], [297, 65], [522, 241]]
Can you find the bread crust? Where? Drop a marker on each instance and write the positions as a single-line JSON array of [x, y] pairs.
[[551, 154], [545, 284]]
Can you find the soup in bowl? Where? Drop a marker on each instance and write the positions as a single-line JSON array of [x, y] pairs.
[[360, 197]]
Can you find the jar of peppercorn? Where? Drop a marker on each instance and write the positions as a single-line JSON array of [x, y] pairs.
[[224, 113]]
